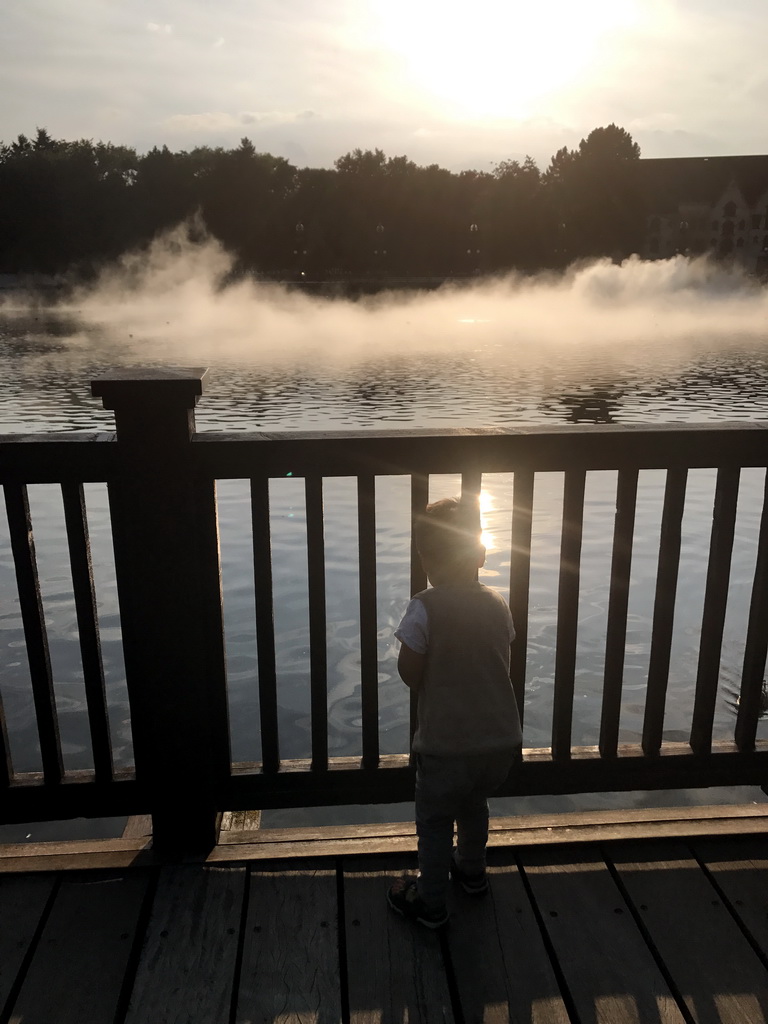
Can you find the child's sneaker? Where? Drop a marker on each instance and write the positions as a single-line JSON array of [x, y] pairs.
[[475, 885], [404, 899]]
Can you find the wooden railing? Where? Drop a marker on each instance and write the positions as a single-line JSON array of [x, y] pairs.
[[161, 479]]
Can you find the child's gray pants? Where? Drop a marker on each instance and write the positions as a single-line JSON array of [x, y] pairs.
[[448, 790]]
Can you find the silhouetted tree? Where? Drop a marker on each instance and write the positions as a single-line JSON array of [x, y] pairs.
[[593, 199], [75, 204]]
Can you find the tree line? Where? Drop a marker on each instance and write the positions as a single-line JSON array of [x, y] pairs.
[[73, 206]]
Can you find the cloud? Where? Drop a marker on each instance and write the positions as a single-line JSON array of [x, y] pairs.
[[153, 26], [222, 121]]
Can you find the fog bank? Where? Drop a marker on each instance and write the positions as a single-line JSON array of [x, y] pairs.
[[173, 301]]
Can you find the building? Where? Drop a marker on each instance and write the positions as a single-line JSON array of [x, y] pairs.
[[716, 205]]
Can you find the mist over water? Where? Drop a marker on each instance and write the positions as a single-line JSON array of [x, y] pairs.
[[675, 340], [602, 342], [174, 298], [179, 298]]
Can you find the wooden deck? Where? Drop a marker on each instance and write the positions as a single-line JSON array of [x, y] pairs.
[[670, 930]]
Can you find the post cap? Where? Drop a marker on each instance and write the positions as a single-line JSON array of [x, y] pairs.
[[166, 385]]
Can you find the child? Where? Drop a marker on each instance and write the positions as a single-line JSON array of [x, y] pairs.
[[455, 640]]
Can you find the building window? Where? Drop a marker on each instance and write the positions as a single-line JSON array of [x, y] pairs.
[[742, 225], [729, 210]]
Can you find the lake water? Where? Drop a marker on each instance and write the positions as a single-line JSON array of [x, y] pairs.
[[482, 376]]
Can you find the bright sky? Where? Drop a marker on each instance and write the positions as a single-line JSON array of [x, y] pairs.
[[463, 84]]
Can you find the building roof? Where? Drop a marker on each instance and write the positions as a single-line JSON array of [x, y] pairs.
[[667, 182]]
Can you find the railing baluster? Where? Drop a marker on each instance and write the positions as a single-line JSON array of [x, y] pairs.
[[520, 580], [756, 647], [616, 631], [318, 652], [369, 652], [23, 548], [471, 483], [73, 496], [715, 601], [664, 610], [265, 623], [419, 499], [6, 765], [567, 612]]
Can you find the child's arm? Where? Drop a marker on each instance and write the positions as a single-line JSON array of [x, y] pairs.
[[410, 665]]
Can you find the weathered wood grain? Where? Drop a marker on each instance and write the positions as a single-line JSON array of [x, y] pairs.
[[396, 970], [618, 602], [498, 955], [138, 826], [35, 632], [711, 963], [609, 971], [664, 609], [164, 519], [290, 963], [567, 612], [73, 496], [520, 580], [265, 623], [715, 601], [22, 901], [318, 654], [76, 975], [6, 765], [238, 823], [740, 868], [756, 645], [369, 641], [494, 450], [187, 966]]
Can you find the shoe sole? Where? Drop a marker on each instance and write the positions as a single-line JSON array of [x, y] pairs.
[[419, 920], [471, 890], [474, 890]]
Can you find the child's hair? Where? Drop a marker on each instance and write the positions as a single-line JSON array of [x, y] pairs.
[[448, 530]]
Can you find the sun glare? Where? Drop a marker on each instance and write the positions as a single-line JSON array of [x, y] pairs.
[[486, 505], [497, 58]]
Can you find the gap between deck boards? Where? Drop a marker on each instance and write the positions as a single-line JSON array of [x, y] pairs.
[[239, 841]]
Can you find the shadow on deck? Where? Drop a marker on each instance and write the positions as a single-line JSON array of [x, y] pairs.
[[646, 931]]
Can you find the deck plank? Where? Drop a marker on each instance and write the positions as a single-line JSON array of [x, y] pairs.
[[22, 901], [290, 965], [609, 971], [713, 966], [76, 974], [740, 868], [187, 965], [498, 955], [396, 969]]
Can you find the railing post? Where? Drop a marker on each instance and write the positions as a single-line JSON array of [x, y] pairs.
[[165, 536]]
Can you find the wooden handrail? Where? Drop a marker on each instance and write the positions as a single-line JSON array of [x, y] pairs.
[[161, 478]]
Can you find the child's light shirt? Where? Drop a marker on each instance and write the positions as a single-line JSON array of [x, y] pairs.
[[413, 630], [466, 704]]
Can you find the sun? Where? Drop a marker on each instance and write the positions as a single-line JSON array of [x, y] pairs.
[[497, 58]]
